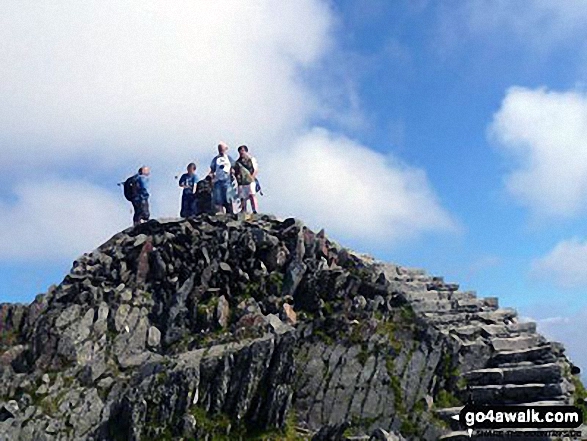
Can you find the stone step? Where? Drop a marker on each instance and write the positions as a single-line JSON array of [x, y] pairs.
[[462, 295], [406, 271], [414, 287], [544, 373], [432, 306], [469, 305], [516, 343], [450, 319], [502, 316], [440, 285], [509, 330], [539, 355], [515, 393], [466, 332], [498, 316], [492, 332], [419, 296]]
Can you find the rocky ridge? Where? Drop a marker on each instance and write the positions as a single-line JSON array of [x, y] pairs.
[[226, 327]]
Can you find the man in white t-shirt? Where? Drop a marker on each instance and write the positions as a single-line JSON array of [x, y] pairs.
[[245, 170], [221, 171]]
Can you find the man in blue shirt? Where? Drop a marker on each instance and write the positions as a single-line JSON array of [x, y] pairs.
[[221, 171], [188, 182], [141, 201]]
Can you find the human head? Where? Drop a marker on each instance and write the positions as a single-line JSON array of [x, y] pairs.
[[243, 150], [222, 148], [144, 170], [191, 167]]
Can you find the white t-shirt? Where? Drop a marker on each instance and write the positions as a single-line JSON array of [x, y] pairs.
[[221, 165]]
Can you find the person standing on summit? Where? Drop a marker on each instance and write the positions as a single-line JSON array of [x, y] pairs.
[[188, 198], [221, 171], [245, 170], [140, 201]]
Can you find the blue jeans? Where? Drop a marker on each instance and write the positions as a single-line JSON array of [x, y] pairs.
[[219, 192]]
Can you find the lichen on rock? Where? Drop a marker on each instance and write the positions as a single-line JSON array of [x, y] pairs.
[[225, 327]]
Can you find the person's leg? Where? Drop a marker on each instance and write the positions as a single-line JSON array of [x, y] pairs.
[[254, 203], [252, 196], [136, 218], [217, 197], [183, 211], [146, 214]]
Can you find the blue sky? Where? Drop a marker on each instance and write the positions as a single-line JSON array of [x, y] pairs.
[[457, 129]]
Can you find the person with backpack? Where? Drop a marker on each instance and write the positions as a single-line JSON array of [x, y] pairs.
[[221, 172], [203, 196], [245, 170], [136, 190], [188, 198]]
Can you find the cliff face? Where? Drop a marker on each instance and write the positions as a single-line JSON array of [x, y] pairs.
[[222, 327]]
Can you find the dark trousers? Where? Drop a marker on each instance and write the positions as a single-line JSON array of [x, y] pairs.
[[141, 211], [188, 205]]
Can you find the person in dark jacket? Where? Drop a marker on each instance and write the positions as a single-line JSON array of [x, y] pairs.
[[188, 182], [141, 201]]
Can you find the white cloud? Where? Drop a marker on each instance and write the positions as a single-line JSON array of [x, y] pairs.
[[538, 24], [95, 89], [570, 330], [353, 191], [544, 133], [121, 81], [565, 265], [55, 219]]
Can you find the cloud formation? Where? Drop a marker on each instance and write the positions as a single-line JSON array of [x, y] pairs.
[[564, 265], [354, 191], [571, 330], [111, 79], [544, 135], [56, 219], [92, 90]]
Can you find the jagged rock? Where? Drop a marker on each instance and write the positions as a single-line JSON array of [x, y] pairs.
[[153, 337], [184, 328], [383, 435], [289, 314], [222, 312]]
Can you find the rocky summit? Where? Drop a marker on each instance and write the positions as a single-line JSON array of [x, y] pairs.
[[232, 327]]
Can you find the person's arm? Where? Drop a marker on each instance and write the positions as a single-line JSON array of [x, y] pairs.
[[182, 181], [212, 168]]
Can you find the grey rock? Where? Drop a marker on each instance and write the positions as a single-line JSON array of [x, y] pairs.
[[383, 435], [141, 341], [222, 312], [153, 337]]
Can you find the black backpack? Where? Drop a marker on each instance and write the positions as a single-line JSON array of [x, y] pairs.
[[204, 187], [131, 188]]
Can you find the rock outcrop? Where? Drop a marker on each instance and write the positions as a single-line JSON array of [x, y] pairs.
[[226, 327]]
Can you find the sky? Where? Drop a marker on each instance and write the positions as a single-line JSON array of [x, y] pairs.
[[446, 135]]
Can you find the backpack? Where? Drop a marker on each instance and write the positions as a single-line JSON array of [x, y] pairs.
[[244, 171], [204, 187], [204, 196], [131, 188]]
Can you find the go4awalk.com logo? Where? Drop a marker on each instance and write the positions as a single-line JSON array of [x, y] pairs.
[[475, 418]]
